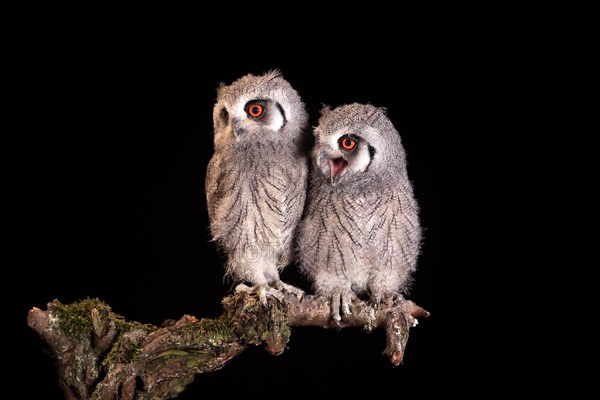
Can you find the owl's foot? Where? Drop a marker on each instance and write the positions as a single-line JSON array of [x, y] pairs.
[[341, 300], [386, 298], [262, 291], [286, 287]]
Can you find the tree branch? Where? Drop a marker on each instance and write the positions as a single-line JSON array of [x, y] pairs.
[[101, 356]]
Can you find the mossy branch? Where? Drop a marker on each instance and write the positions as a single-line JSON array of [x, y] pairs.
[[101, 356]]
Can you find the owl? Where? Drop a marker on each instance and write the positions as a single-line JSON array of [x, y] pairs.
[[256, 180], [360, 236]]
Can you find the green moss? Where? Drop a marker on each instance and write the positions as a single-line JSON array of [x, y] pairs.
[[193, 358], [206, 333], [124, 326], [281, 321], [75, 319], [200, 361], [123, 351], [179, 385], [253, 323], [244, 320]]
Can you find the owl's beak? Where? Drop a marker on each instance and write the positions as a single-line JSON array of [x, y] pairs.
[[238, 130], [337, 166]]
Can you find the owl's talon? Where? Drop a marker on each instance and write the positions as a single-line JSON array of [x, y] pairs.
[[261, 291], [376, 301], [347, 296], [384, 297], [262, 295], [346, 310], [273, 292], [337, 321], [335, 307], [397, 298], [286, 287], [341, 301], [242, 288]]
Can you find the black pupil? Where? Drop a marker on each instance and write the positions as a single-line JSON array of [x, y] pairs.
[[255, 110], [347, 143]]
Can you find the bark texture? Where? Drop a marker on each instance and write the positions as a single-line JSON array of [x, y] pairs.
[[101, 356]]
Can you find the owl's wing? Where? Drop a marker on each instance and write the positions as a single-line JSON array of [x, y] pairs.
[[295, 195], [212, 186], [397, 239]]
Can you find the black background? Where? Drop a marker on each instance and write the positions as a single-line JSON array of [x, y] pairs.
[[111, 150]]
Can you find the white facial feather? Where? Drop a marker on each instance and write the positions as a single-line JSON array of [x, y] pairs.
[[361, 158], [239, 113]]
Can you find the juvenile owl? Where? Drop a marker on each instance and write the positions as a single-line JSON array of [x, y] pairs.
[[361, 232], [256, 179]]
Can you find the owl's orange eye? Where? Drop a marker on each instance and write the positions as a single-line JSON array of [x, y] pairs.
[[256, 110], [347, 143]]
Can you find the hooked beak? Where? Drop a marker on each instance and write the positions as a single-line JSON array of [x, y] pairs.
[[238, 130], [336, 166]]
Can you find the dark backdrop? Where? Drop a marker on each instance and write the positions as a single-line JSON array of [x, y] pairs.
[[112, 146]]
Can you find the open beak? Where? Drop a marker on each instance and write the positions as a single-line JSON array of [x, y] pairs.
[[337, 166]]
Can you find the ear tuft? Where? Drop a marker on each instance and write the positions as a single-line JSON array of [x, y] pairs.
[[325, 109]]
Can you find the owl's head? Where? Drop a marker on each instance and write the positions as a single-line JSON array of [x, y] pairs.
[[355, 142], [263, 107]]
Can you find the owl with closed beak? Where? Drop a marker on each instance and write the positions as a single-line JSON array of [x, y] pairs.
[[256, 180], [360, 236]]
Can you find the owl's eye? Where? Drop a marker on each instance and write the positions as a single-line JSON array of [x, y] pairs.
[[255, 110], [347, 143]]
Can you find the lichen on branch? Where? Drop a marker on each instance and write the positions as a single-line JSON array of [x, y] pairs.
[[100, 355]]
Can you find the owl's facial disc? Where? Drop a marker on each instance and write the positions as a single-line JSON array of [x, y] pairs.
[[257, 114], [346, 154], [347, 145]]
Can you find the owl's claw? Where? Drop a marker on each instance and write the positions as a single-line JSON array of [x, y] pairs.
[[397, 298], [376, 300], [242, 288], [386, 298], [262, 291], [346, 302], [286, 287], [341, 300], [335, 307]]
